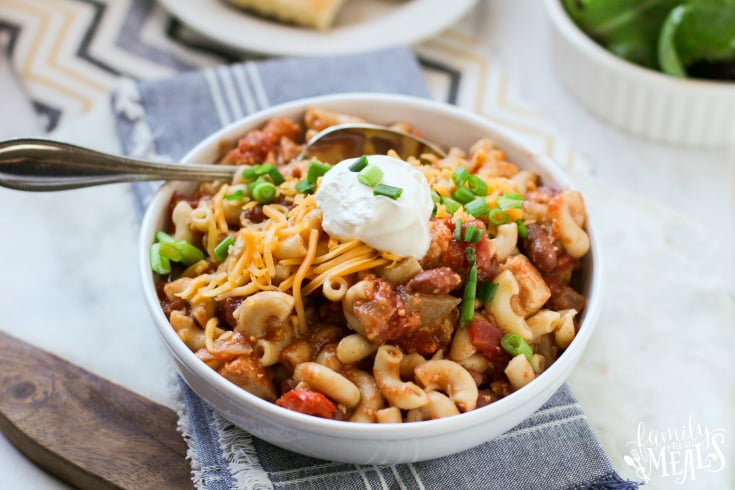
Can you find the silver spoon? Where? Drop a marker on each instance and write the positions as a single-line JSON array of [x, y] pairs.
[[46, 165]]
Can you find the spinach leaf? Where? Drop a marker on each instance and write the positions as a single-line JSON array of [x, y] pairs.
[[628, 28], [668, 55], [702, 30], [668, 35]]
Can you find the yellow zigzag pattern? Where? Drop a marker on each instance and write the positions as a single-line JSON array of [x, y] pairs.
[[44, 38], [46, 52]]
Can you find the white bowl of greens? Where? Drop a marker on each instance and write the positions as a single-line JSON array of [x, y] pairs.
[[662, 69]]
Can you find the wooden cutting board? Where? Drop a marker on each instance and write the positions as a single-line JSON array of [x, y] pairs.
[[89, 432]]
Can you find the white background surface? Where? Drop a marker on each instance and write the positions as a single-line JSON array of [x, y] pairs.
[[662, 350]]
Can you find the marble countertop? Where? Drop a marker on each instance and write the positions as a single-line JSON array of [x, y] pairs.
[[659, 362]]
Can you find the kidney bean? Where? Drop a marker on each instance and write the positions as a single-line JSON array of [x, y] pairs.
[[441, 280], [540, 247], [227, 309]]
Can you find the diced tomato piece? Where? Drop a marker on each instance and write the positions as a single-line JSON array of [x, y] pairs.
[[308, 402], [486, 337], [423, 341], [455, 256]]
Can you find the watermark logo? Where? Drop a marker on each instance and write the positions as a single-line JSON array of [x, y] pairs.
[[678, 453]]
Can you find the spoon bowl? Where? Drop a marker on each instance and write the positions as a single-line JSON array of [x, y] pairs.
[[45, 165], [351, 140]]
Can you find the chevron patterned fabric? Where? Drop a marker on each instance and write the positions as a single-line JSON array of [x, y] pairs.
[[69, 53]]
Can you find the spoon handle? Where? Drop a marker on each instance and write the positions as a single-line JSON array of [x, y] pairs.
[[44, 165]]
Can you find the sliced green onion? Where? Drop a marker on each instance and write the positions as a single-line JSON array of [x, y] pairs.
[[164, 237], [316, 170], [458, 229], [486, 291], [305, 187], [460, 176], [223, 248], [177, 250], [264, 192], [477, 207], [463, 195], [497, 216], [276, 176], [170, 250], [255, 171], [370, 175], [238, 194], [477, 186], [251, 186], [249, 173], [159, 263], [436, 197], [387, 191], [471, 255], [359, 164], [263, 169], [472, 234], [469, 232], [467, 311], [451, 205], [510, 201], [514, 345], [522, 230], [189, 253]]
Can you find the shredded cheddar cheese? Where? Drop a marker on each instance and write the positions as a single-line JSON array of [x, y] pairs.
[[209, 331], [290, 229], [299, 277]]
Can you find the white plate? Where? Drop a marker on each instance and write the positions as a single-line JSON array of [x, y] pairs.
[[362, 25]]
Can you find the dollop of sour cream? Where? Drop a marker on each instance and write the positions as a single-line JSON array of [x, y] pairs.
[[351, 211]]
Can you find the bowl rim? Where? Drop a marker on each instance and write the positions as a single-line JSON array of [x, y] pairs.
[[573, 33], [370, 431]]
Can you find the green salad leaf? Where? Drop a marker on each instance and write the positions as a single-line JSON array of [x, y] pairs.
[[628, 28], [702, 30], [668, 54], [667, 35]]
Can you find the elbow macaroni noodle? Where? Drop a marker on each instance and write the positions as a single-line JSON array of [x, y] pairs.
[[505, 241], [502, 309], [362, 335], [387, 371], [519, 372], [451, 378]]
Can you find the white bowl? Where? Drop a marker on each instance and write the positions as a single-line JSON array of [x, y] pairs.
[[360, 442], [686, 112]]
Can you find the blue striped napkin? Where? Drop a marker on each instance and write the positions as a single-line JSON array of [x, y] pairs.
[[555, 448]]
